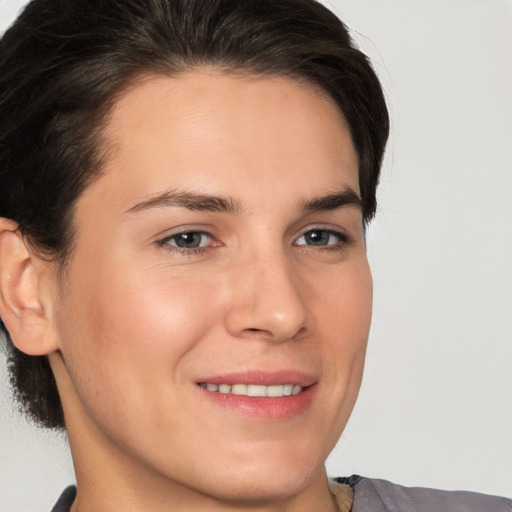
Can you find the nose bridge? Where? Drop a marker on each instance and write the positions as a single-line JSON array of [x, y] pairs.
[[268, 301]]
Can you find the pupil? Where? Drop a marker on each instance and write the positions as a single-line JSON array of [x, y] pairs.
[[317, 237], [188, 240]]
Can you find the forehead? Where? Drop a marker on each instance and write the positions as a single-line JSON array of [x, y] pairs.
[[207, 130]]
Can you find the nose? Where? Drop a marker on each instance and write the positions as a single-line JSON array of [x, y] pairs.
[[267, 300]]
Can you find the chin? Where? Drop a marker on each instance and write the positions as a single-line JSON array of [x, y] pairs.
[[269, 476], [259, 487]]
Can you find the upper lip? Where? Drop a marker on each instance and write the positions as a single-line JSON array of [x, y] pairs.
[[262, 377]]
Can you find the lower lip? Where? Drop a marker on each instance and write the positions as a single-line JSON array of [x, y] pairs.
[[267, 408]]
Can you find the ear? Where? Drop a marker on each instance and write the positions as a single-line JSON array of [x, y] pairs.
[[25, 296]]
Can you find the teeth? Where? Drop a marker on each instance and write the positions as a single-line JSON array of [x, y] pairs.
[[254, 389], [239, 389], [275, 391]]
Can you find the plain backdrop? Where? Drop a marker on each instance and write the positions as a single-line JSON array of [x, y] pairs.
[[435, 408]]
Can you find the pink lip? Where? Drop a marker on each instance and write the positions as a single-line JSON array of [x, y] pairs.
[[263, 408]]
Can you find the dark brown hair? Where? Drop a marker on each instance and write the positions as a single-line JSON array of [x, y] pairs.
[[62, 64]]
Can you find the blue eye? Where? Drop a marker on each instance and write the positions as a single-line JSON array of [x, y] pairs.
[[321, 238], [188, 240]]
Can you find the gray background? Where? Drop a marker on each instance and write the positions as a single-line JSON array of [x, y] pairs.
[[435, 408]]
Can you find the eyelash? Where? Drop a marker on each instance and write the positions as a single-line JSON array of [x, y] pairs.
[[342, 241]]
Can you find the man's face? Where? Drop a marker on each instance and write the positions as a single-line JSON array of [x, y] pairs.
[[216, 254]]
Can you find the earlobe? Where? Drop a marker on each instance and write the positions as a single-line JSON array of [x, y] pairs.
[[22, 308]]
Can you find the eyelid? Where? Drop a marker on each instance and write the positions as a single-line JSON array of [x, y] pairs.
[[165, 234]]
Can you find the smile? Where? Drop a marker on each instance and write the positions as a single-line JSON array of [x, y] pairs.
[[260, 395], [254, 390]]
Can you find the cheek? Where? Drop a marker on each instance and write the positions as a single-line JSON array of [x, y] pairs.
[[150, 300], [345, 314], [354, 328], [344, 306], [132, 323], [125, 335]]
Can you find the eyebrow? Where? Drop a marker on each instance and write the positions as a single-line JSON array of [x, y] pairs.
[[346, 197], [221, 204], [191, 201]]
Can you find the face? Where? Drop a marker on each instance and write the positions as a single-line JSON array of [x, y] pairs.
[[219, 255]]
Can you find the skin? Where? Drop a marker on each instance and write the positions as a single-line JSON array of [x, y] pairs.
[[136, 322]]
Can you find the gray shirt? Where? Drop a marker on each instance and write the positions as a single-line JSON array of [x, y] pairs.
[[371, 495]]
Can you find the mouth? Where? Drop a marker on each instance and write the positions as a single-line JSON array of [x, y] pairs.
[[261, 395], [254, 390]]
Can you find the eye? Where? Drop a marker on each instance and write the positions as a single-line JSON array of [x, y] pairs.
[[322, 238], [188, 240]]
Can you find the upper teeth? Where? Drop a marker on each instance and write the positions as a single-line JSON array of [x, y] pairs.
[[254, 389]]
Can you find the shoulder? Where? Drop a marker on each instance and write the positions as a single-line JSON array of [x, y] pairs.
[[383, 496]]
